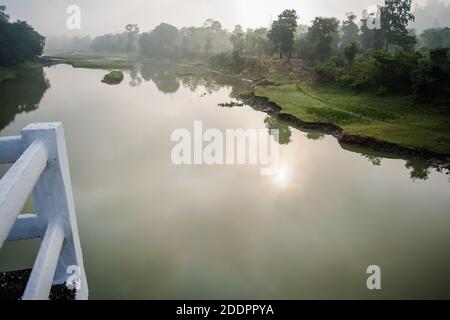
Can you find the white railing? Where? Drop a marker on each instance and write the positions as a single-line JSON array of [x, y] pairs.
[[41, 167]]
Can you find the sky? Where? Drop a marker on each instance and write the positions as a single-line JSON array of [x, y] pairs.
[[105, 16]]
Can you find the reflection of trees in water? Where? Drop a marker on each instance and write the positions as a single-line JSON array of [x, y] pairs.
[[168, 77], [376, 161], [284, 130], [136, 79], [22, 94], [193, 82], [163, 76], [315, 135], [419, 169]]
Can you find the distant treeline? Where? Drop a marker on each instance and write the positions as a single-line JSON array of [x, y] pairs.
[[430, 31]]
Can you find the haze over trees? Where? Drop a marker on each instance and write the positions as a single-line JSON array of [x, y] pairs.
[[392, 58]]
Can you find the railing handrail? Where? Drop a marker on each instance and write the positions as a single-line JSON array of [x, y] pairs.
[[40, 165]]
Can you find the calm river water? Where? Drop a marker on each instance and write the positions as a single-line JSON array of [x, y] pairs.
[[151, 229]]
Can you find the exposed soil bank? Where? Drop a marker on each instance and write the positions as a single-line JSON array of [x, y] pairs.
[[343, 137]]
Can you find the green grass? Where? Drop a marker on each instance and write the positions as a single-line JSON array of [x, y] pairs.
[[114, 77], [94, 64], [96, 60], [396, 119]]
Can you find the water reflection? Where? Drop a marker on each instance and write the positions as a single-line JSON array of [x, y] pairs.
[[136, 79], [163, 76], [226, 231], [22, 94], [168, 78], [283, 128]]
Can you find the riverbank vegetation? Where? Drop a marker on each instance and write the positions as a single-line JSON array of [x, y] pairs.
[[20, 46], [371, 74]]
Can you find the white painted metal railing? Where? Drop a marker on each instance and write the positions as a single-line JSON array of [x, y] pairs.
[[40, 165]]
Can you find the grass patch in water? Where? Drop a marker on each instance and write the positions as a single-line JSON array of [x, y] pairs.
[[114, 77]]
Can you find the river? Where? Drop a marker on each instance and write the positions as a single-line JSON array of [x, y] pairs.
[[152, 230]]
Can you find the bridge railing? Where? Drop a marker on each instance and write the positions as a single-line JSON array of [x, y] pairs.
[[40, 166]]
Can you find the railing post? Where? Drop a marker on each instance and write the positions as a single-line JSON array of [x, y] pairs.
[[53, 199]]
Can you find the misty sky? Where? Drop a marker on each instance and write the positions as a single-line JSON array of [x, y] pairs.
[[105, 16]]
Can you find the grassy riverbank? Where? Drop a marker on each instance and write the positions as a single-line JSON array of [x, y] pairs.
[[398, 119], [395, 119]]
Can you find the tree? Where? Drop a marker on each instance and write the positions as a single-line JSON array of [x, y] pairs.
[[237, 39], [350, 30], [132, 32], [283, 31], [370, 39], [435, 38], [160, 42], [395, 16], [19, 42], [321, 40], [351, 51], [256, 42]]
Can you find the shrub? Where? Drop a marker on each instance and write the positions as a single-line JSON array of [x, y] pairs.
[[432, 78]]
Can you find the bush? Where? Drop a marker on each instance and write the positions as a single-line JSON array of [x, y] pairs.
[[326, 72], [394, 71], [432, 78], [351, 51]]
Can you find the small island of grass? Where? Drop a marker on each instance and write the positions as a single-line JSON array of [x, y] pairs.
[[114, 77]]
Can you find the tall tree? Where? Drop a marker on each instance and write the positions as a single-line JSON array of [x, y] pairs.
[[283, 31], [160, 42], [395, 17], [321, 40], [350, 31], [132, 32], [370, 38], [237, 39]]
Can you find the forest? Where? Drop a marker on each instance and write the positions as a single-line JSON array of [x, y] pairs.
[[348, 53]]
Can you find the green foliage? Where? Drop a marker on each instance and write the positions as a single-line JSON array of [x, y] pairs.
[[395, 16], [435, 38], [351, 51], [399, 72], [283, 31], [432, 78], [321, 40], [114, 77], [392, 118], [19, 42], [237, 39], [350, 31], [161, 42], [394, 71], [235, 63], [257, 42]]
